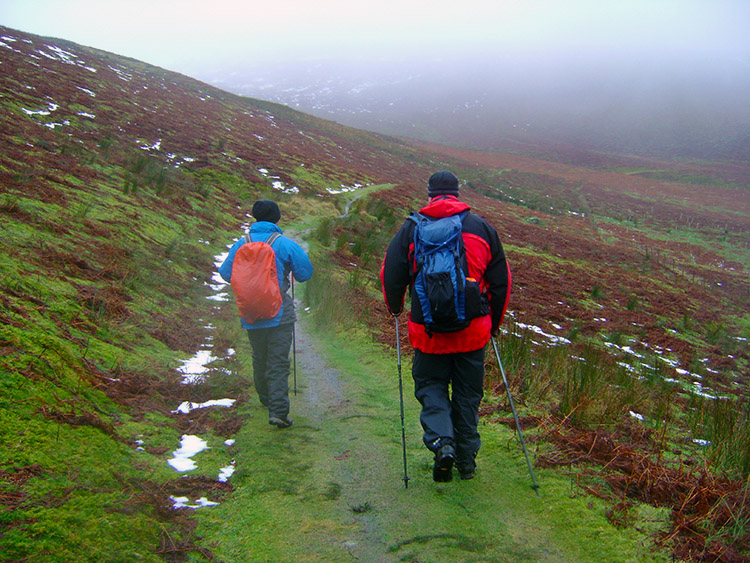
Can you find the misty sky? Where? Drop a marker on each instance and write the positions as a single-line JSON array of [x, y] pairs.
[[185, 35]]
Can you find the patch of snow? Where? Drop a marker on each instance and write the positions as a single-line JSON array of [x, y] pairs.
[[156, 146], [551, 337], [4, 44], [277, 185], [187, 406], [195, 367], [625, 349], [53, 125], [126, 76], [189, 446], [225, 473], [64, 56], [50, 108], [182, 502]]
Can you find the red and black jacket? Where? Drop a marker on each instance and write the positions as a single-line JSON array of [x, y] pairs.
[[485, 261]]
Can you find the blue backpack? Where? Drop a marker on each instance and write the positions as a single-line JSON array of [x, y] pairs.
[[440, 285]]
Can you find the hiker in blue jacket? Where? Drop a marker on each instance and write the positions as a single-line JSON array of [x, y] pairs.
[[271, 339]]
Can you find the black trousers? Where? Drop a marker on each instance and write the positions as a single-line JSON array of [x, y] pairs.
[[271, 366], [449, 387]]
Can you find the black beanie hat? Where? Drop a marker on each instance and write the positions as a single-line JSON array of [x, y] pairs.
[[266, 210], [442, 183]]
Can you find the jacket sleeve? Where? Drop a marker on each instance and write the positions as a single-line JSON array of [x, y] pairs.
[[498, 277], [225, 270], [395, 274], [302, 268]]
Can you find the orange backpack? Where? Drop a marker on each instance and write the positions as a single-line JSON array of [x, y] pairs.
[[255, 280]]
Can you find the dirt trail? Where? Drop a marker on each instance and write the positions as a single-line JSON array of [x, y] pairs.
[[322, 388], [321, 399]]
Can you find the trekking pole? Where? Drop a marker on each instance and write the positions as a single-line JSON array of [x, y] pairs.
[[515, 416], [401, 400], [294, 342]]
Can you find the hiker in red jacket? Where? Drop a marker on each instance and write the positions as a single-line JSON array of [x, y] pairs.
[[448, 367]]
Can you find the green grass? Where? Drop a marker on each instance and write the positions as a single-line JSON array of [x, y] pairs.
[[87, 301], [76, 493]]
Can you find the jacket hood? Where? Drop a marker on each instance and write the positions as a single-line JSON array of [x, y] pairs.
[[444, 206]]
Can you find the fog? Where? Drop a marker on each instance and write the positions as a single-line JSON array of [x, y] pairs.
[[663, 106], [661, 77]]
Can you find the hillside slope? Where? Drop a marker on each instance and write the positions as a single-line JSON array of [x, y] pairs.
[[120, 184]]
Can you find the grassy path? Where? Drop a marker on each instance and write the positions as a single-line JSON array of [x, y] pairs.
[[331, 487]]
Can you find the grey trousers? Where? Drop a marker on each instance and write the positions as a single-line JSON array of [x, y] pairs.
[[449, 387], [271, 366]]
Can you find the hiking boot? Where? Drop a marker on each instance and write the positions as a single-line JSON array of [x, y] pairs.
[[466, 472], [442, 471], [280, 421], [466, 469]]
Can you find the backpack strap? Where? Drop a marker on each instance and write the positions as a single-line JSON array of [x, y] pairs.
[[270, 240]]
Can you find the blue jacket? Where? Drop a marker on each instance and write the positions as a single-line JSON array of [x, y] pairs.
[[289, 258]]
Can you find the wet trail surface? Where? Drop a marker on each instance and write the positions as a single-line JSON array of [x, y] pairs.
[[352, 456], [322, 388]]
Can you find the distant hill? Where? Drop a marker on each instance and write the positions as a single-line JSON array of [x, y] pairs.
[[663, 107]]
